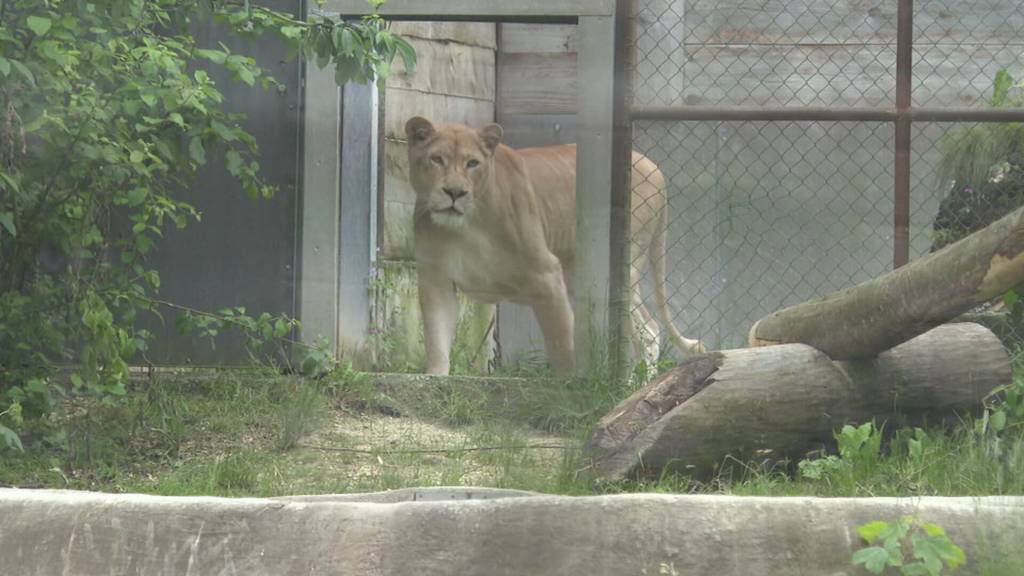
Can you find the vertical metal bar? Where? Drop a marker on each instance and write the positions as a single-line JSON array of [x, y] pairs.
[[901, 171], [318, 280], [596, 57], [619, 281], [357, 212]]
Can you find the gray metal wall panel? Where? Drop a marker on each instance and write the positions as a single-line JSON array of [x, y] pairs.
[[242, 253]]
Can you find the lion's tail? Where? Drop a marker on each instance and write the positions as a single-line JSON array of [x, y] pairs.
[[686, 346]]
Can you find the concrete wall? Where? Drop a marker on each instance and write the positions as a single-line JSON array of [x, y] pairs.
[[473, 531], [454, 81]]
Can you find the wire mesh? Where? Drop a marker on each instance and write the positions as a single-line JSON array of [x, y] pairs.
[[762, 215]]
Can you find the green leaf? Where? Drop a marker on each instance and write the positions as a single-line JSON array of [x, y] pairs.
[[215, 56], [177, 119], [24, 71], [246, 75], [196, 151], [11, 438], [39, 25], [10, 182], [935, 549], [916, 569], [225, 133], [234, 162], [998, 420], [408, 54], [874, 559], [292, 32], [36, 386], [345, 69], [7, 221], [872, 530], [5, 66], [1010, 299], [137, 196], [1001, 88]]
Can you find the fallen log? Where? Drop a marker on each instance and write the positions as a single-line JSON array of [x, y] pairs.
[[780, 402], [867, 319]]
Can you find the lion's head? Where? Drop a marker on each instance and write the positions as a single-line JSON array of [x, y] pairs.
[[450, 165]]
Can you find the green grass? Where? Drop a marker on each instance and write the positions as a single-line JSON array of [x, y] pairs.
[[251, 434]]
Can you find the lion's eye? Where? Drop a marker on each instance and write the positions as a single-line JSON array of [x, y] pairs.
[[472, 163], [437, 160]]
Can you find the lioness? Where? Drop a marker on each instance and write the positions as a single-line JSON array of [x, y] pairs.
[[500, 224]]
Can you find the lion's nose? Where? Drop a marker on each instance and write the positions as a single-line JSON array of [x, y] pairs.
[[455, 193]]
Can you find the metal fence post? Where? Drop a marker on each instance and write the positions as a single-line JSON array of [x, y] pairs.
[[593, 182], [901, 169], [620, 283]]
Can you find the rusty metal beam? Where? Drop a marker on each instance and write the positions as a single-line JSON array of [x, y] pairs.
[[901, 170], [752, 113]]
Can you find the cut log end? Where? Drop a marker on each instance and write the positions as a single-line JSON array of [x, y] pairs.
[[755, 342]]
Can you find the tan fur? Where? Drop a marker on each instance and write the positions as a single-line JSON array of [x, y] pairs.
[[500, 225]]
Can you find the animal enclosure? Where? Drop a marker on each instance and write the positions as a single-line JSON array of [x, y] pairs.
[[777, 125]]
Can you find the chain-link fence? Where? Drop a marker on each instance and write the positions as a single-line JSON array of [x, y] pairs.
[[766, 213]]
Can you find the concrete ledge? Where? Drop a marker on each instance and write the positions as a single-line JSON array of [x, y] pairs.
[[54, 532], [431, 494]]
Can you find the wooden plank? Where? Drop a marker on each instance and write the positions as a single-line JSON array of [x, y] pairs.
[[524, 130], [398, 236], [538, 38], [404, 104], [358, 161], [446, 68], [538, 83], [318, 293], [481, 34], [505, 9], [396, 170], [593, 187], [399, 200]]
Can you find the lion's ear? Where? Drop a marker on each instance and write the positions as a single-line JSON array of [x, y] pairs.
[[491, 135], [418, 129]]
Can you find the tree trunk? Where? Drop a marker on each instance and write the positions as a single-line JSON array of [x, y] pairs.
[[867, 319], [779, 402]]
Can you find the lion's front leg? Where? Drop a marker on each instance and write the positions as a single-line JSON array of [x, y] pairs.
[[440, 309], [553, 311]]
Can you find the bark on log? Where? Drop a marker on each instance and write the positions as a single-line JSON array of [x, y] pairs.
[[867, 319], [780, 402]]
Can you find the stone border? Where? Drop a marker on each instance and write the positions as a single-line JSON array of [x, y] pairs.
[[56, 532]]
